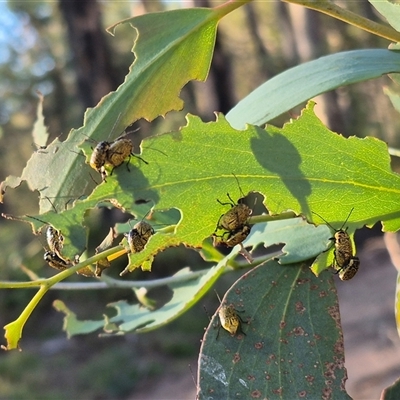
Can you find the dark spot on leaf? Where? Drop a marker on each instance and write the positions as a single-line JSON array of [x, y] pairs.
[[299, 331], [251, 378], [284, 341], [323, 293], [326, 393], [255, 394], [303, 393], [334, 313], [259, 345], [278, 391], [329, 370], [236, 358], [313, 287], [339, 348], [300, 307], [310, 378], [282, 324], [268, 377]]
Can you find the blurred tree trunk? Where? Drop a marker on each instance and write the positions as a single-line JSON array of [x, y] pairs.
[[289, 48], [220, 72], [311, 43], [91, 55], [263, 58]]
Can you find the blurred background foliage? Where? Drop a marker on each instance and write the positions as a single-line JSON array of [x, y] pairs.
[[62, 50]]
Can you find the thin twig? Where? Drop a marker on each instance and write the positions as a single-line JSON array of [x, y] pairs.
[[333, 10]]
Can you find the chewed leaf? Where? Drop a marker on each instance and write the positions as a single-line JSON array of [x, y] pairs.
[[302, 167], [148, 90], [291, 322], [144, 299], [302, 240], [136, 317], [59, 171], [185, 294], [161, 40], [72, 326], [106, 243], [59, 174]]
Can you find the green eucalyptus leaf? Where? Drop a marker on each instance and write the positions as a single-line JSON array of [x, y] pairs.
[[185, 294], [136, 317], [390, 10], [292, 345], [303, 82], [302, 240], [302, 167], [171, 49], [72, 326]]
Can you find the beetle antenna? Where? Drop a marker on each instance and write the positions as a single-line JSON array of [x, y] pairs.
[[220, 301], [344, 223], [323, 219], [237, 180]]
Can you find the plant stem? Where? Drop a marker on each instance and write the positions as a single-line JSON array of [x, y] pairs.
[[62, 275], [14, 329], [259, 260], [333, 10], [109, 282], [54, 281], [229, 6], [116, 283], [267, 218]]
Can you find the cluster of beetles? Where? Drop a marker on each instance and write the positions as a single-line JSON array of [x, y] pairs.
[[234, 223]]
